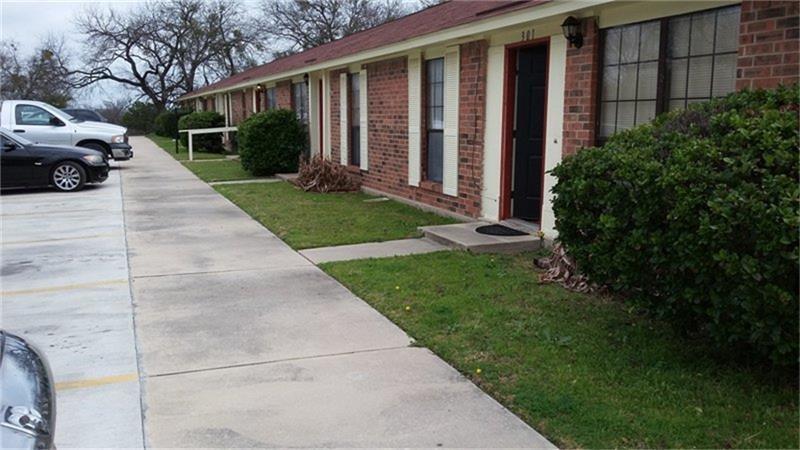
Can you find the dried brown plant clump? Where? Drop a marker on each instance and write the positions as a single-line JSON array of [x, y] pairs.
[[320, 175], [561, 268]]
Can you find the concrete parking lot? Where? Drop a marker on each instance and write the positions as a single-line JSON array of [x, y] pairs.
[[65, 287]]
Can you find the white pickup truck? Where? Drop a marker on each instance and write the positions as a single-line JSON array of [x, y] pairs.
[[46, 124]]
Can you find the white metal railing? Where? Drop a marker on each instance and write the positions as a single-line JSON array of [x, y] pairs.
[[204, 131]]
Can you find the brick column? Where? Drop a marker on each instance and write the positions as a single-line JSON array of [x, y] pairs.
[[248, 102], [580, 91], [283, 94], [334, 112], [472, 112], [237, 107], [768, 44]]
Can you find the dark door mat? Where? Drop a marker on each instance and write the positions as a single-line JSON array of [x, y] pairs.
[[499, 230]]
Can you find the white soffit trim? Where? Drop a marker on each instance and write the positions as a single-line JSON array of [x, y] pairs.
[[451, 109], [414, 118], [364, 122]]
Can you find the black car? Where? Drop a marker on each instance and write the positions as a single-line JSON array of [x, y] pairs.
[[28, 410], [85, 114], [26, 164]]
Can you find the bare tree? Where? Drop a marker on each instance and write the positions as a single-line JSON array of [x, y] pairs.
[[39, 76], [166, 48], [428, 3], [113, 110], [302, 24]]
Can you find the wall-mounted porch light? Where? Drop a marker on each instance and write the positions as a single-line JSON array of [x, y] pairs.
[[305, 78], [259, 87], [572, 31]]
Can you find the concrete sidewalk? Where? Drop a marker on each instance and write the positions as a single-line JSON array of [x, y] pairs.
[[245, 343], [386, 249]]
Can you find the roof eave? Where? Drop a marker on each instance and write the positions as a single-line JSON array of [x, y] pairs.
[[511, 19]]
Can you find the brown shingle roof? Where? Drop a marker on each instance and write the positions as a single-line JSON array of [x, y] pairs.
[[437, 18]]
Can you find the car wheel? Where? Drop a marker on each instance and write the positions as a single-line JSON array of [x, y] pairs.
[[96, 146], [68, 176]]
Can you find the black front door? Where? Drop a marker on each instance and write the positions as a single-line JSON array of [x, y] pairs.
[[529, 132]]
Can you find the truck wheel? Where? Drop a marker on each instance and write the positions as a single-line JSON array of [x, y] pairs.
[[68, 176], [95, 146]]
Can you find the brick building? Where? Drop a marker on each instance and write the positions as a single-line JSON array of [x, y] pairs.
[[467, 105]]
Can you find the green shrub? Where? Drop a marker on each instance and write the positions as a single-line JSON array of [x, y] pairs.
[[139, 117], [211, 142], [166, 123], [271, 142], [695, 217]]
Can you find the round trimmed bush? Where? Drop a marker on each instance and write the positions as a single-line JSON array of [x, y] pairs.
[[211, 142], [695, 217], [271, 142]]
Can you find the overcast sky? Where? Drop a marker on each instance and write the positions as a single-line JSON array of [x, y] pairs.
[[27, 22]]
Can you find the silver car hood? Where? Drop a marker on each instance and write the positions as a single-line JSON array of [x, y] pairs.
[[101, 126]]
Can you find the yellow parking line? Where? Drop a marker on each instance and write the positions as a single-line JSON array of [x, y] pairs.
[[79, 384], [63, 287]]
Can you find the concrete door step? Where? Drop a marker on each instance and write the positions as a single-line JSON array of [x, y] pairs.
[[464, 237], [286, 176], [400, 247]]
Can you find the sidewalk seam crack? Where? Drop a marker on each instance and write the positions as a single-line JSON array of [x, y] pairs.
[[280, 360]]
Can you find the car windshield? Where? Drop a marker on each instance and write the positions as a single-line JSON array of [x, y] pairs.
[[72, 118]]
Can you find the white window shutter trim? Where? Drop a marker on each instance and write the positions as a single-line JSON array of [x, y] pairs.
[[364, 125], [343, 119], [414, 118], [450, 145]]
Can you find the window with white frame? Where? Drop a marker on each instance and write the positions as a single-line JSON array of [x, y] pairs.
[[355, 118], [300, 101], [272, 101], [434, 98], [654, 66]]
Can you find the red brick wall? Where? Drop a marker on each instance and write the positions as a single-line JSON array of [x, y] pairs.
[[472, 110], [581, 90], [283, 94], [768, 44], [387, 113], [237, 108], [248, 103], [334, 116], [388, 132]]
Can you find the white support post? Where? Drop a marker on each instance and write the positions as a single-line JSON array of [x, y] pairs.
[[191, 153], [191, 134]]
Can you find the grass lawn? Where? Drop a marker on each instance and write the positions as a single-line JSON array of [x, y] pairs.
[[308, 220], [168, 145], [584, 371], [218, 170]]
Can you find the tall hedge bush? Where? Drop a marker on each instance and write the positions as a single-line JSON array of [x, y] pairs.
[[166, 123], [139, 117], [211, 142], [271, 142], [695, 217]]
